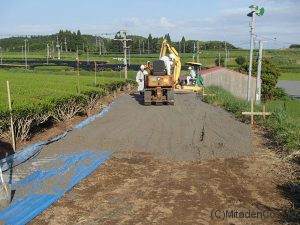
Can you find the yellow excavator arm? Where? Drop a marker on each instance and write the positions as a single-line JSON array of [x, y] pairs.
[[177, 63]]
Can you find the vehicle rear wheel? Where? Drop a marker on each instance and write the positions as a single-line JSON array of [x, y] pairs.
[[170, 95], [147, 97]]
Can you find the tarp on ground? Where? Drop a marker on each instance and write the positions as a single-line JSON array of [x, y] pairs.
[[34, 149], [39, 190]]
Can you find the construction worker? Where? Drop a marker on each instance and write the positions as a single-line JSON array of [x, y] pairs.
[[191, 75], [168, 62], [140, 79]]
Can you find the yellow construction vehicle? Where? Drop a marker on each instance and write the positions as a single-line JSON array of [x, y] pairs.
[[180, 82], [159, 85]]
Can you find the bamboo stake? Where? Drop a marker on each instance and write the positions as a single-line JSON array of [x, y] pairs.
[[264, 110], [11, 118], [252, 110]]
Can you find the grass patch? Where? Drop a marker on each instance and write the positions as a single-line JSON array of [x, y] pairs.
[[290, 76], [283, 125]]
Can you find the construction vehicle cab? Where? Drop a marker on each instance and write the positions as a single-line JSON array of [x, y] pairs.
[[158, 85], [195, 84]]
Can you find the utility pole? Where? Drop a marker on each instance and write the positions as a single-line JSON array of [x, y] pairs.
[[219, 59], [143, 47], [66, 49], [225, 55], [258, 78], [25, 55], [1, 55], [58, 48], [148, 47], [197, 51], [47, 53], [100, 47], [53, 49], [254, 11], [87, 55], [129, 56], [140, 47], [77, 57], [124, 40]]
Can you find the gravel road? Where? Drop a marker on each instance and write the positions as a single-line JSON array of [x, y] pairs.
[[189, 130]]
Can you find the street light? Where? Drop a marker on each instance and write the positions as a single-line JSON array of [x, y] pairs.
[[255, 10]]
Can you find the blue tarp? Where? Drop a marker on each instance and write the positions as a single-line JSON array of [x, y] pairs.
[[38, 191], [32, 150], [44, 186]]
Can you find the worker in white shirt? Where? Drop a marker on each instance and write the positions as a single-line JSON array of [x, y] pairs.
[[168, 62], [140, 79], [191, 75]]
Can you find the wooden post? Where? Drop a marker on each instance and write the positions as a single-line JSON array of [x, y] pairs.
[[252, 110], [264, 111], [95, 72], [11, 118]]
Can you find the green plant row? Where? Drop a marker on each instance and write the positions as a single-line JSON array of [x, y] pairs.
[[283, 125], [37, 100]]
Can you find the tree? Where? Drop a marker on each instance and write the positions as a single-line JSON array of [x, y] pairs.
[[221, 62], [183, 43], [295, 46], [240, 60], [167, 36], [269, 76]]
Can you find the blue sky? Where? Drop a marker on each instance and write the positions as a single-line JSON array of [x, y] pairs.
[[194, 19]]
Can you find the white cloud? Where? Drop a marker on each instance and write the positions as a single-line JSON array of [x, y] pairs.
[[164, 22]]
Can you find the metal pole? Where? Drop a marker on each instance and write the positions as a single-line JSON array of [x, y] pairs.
[[66, 49], [258, 78], [11, 117], [219, 59], [125, 55], [1, 54], [197, 51], [140, 47], [47, 53], [225, 55], [252, 25], [95, 64], [87, 55], [58, 48], [25, 54]]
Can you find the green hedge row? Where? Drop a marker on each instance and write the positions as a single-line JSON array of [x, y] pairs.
[[60, 108]]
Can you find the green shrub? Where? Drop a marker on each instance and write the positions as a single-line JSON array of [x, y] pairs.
[[240, 60]]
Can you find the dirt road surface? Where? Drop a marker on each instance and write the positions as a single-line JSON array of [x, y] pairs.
[[182, 164]]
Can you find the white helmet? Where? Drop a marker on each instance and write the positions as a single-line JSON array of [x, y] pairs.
[[190, 68], [172, 56], [142, 67]]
